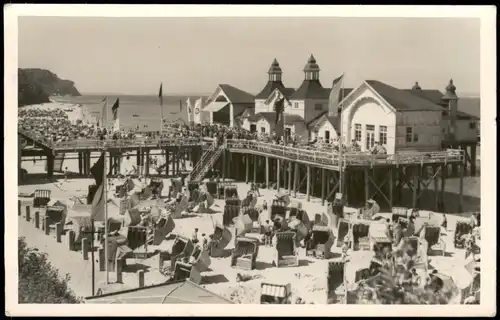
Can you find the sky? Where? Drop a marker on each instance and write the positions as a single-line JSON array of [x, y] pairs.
[[193, 55]]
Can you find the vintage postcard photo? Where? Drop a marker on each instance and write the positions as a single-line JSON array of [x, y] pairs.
[[336, 156]]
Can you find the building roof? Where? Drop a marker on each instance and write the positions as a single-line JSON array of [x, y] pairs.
[[334, 121], [236, 95], [431, 95], [310, 89], [268, 116], [468, 107], [271, 86], [402, 100], [172, 292]]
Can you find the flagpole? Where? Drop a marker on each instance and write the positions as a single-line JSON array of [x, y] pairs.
[[106, 245], [161, 110], [92, 257], [341, 145]]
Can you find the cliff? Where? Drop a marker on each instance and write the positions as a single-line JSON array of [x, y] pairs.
[[37, 85]]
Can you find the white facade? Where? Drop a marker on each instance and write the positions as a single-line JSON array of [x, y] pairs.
[[263, 126], [368, 118], [321, 130]]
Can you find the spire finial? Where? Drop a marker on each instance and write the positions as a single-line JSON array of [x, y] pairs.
[[416, 86]]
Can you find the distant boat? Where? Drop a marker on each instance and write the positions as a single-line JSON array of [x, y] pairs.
[[135, 115]]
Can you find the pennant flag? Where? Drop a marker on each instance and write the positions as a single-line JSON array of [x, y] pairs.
[[104, 112], [279, 107], [160, 93], [99, 201], [333, 101], [115, 107], [189, 110]]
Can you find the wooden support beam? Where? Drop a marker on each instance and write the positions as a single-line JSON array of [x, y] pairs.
[[473, 156], [296, 179], [367, 185], [414, 183], [335, 187], [278, 171], [461, 188], [224, 164], [418, 174], [267, 172], [247, 167], [435, 171], [327, 182], [289, 177], [444, 174], [323, 186], [308, 187], [313, 181], [391, 188], [255, 168]]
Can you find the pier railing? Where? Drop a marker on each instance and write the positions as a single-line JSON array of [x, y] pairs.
[[126, 143], [349, 158]]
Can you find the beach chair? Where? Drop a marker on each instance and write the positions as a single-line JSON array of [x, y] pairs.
[[163, 228], [272, 293], [399, 212], [222, 237], [344, 229], [182, 247], [286, 254], [252, 212], [184, 270], [42, 198], [230, 192], [336, 277], [378, 237], [242, 225], [278, 208], [230, 212], [322, 241], [461, 228], [361, 235], [245, 253], [212, 188]]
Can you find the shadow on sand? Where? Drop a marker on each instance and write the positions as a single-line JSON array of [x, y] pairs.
[[218, 278], [134, 267]]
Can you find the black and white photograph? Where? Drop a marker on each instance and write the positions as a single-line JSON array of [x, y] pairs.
[[211, 157]]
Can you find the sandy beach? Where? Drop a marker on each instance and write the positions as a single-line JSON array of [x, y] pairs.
[[308, 280]]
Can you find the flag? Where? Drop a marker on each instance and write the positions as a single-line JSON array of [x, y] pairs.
[[160, 93], [98, 203], [104, 112], [279, 107], [189, 110], [333, 101], [115, 107]]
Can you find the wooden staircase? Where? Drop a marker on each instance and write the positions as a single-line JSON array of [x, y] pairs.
[[205, 163], [38, 142]]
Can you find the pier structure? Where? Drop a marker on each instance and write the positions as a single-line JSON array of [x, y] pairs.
[[173, 149], [316, 173]]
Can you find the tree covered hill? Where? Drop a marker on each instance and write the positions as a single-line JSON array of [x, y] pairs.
[[37, 85]]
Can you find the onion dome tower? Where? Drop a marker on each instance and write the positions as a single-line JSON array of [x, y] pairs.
[[416, 86]]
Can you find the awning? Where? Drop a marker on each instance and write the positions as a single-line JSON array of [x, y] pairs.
[[215, 106]]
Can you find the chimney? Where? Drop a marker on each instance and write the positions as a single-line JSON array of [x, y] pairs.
[[416, 86], [451, 99]]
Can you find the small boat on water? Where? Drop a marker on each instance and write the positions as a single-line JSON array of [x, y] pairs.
[[135, 115]]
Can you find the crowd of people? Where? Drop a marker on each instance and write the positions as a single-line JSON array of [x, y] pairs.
[[53, 126]]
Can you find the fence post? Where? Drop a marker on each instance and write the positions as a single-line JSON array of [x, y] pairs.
[[102, 260], [140, 276], [37, 219], [70, 240], [19, 207], [119, 270], [85, 248], [28, 218], [58, 231], [46, 223]]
